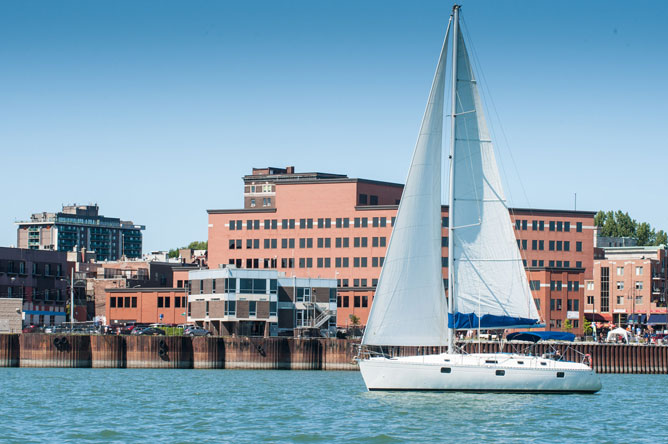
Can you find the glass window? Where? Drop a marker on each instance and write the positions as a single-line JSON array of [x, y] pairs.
[[252, 308]]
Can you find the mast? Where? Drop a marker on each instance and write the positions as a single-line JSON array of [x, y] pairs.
[[451, 200]]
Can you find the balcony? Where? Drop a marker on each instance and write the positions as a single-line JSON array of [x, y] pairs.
[[658, 276]]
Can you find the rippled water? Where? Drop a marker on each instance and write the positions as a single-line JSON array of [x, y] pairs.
[[99, 405]]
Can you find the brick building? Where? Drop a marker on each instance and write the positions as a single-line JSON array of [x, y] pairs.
[[81, 226], [628, 285], [332, 226], [40, 279], [145, 305]]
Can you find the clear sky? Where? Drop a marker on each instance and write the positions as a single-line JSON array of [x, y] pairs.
[[154, 110]]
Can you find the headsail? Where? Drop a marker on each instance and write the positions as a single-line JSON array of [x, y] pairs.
[[490, 284], [409, 307]]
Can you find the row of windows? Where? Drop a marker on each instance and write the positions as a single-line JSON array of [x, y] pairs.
[[358, 301], [356, 282], [638, 285], [553, 245], [322, 242], [323, 222], [620, 271], [571, 304], [558, 285], [539, 225], [321, 262], [38, 268], [554, 264]]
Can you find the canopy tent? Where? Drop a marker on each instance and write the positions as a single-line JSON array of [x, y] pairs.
[[612, 335], [535, 336], [636, 319], [658, 318]]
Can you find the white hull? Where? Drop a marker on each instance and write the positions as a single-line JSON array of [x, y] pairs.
[[495, 372]]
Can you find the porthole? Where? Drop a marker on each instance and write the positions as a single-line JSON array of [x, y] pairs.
[[520, 362], [446, 370], [560, 374], [500, 373]]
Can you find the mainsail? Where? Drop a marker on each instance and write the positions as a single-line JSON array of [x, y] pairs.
[[490, 284], [409, 307]]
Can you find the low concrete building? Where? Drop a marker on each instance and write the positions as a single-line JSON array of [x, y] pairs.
[[11, 314], [260, 302]]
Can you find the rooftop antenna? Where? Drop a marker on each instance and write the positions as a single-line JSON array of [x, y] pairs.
[[575, 203]]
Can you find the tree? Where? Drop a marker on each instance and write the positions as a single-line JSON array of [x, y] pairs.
[[586, 325], [194, 245], [568, 325], [644, 234], [626, 227], [610, 226], [661, 238], [599, 219]]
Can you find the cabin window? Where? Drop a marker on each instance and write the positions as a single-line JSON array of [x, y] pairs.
[[490, 361], [520, 362], [560, 374], [446, 370], [500, 373]]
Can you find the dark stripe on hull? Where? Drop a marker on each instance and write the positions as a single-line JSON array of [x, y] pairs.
[[553, 392]]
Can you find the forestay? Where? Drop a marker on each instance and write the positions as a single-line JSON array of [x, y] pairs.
[[409, 307], [490, 284]]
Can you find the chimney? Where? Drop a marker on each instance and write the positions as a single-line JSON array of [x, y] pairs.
[[290, 170]]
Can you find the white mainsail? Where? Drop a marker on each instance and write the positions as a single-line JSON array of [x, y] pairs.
[[409, 307], [489, 278]]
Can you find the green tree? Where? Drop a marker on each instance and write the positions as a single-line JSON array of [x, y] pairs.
[[626, 227], [610, 226], [568, 325], [194, 245], [661, 238], [586, 325], [599, 219], [644, 234]]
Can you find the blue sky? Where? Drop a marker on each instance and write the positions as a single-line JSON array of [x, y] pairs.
[[155, 110]]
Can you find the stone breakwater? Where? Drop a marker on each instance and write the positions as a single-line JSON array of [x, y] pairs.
[[75, 351]]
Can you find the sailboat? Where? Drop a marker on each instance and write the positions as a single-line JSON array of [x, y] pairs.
[[487, 284]]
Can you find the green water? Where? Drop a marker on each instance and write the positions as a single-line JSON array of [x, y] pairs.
[[193, 406]]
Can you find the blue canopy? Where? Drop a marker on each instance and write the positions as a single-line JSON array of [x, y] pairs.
[[636, 319], [535, 336], [658, 318]]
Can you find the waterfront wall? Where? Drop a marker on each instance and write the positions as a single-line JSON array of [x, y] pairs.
[[42, 350]]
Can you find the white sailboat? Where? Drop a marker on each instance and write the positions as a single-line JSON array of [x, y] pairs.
[[487, 283]]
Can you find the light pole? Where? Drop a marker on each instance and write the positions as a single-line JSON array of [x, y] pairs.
[[72, 302]]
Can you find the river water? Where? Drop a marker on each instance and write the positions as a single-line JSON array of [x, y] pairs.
[[188, 406]]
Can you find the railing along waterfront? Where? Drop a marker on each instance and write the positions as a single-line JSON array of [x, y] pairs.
[[100, 351]]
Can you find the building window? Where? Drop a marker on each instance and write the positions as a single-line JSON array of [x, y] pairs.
[[567, 226], [590, 300], [518, 224], [167, 301], [534, 225], [620, 285], [362, 199], [551, 245], [578, 227], [638, 271], [160, 302], [552, 225], [524, 225], [620, 271], [112, 302], [534, 285], [252, 308], [639, 285], [605, 289], [578, 246]]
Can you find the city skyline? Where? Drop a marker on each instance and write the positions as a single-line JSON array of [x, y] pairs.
[[155, 111]]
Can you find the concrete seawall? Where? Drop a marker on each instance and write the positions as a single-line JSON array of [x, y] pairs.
[[43, 350]]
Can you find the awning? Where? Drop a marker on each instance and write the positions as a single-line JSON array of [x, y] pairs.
[[636, 318], [535, 336], [658, 318], [595, 317]]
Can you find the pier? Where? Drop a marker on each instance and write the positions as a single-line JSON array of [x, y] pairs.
[[168, 352]]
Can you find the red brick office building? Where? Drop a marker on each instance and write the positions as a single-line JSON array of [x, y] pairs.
[[331, 226]]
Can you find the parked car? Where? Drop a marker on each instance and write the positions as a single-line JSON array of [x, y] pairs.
[[150, 331], [196, 331], [32, 329]]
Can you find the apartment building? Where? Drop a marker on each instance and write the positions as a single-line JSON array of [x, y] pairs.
[[81, 226], [339, 227], [629, 286], [40, 279]]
